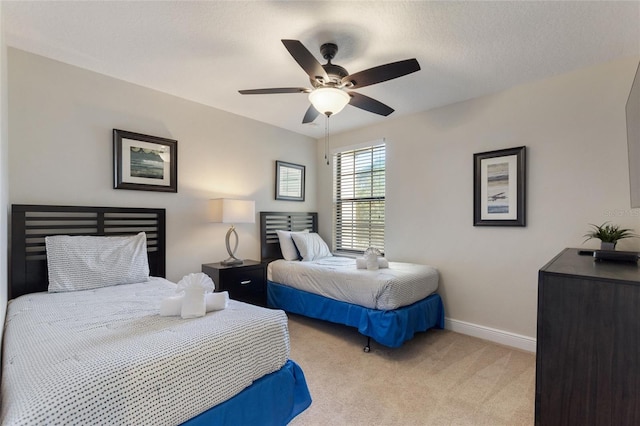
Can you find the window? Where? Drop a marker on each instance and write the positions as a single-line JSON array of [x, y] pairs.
[[359, 198]]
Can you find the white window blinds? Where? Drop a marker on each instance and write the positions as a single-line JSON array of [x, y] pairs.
[[359, 199]]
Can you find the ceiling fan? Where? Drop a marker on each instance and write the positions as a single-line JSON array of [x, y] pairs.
[[332, 83]]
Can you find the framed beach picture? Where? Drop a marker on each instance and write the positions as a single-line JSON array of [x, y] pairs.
[[499, 186], [289, 181], [143, 162]]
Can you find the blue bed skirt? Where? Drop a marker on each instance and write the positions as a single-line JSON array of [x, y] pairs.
[[274, 399], [389, 328]]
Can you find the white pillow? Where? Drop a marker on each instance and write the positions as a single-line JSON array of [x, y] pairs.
[[311, 246], [288, 248], [86, 262]]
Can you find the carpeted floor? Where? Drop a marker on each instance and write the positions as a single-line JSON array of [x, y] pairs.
[[438, 378]]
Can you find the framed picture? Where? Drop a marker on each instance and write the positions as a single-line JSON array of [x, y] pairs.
[[146, 163], [499, 187], [289, 181]]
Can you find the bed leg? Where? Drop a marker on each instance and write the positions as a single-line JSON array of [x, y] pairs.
[[367, 348]]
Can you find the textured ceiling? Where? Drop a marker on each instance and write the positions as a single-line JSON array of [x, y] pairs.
[[206, 51]]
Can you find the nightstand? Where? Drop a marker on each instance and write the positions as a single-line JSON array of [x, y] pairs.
[[246, 282]]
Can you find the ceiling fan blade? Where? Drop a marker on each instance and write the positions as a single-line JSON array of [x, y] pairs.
[[382, 73], [306, 60], [275, 90], [369, 104], [310, 115]]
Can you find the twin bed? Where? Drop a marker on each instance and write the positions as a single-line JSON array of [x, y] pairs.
[[99, 353], [389, 305]]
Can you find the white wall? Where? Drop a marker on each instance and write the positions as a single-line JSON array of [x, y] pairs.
[[4, 173], [61, 153], [574, 128]]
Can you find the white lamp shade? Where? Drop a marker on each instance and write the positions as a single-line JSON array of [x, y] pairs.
[[225, 210], [329, 100]]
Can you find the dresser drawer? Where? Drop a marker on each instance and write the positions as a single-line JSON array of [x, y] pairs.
[[242, 279]]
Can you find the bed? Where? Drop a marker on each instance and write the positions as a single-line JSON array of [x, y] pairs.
[[104, 355], [389, 314]]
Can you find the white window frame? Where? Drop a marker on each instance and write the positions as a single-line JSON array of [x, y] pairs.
[[359, 235]]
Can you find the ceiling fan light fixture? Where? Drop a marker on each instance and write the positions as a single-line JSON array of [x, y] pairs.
[[329, 100]]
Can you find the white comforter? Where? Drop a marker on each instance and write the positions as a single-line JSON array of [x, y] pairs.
[[105, 356], [336, 277]]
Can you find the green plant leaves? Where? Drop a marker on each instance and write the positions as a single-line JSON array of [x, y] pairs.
[[609, 233]]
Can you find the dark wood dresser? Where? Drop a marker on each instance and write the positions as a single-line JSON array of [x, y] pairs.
[[588, 342]]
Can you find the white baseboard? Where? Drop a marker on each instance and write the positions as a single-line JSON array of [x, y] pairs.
[[494, 335]]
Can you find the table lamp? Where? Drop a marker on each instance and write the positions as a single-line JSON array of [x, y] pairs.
[[225, 210]]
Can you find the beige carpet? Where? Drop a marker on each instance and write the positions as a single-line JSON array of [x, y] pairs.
[[438, 378]]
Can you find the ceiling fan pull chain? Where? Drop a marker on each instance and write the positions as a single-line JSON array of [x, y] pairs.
[[326, 140]]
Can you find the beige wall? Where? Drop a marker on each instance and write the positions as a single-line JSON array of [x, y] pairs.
[[4, 172], [61, 153], [574, 128]]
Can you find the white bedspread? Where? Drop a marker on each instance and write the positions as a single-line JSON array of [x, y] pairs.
[[338, 278], [105, 356]]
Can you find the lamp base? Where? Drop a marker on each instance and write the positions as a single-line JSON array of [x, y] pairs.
[[232, 261]]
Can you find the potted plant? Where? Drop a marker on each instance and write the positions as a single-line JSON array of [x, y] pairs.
[[608, 235]]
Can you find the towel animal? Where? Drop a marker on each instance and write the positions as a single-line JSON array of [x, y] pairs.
[[361, 263], [195, 298]]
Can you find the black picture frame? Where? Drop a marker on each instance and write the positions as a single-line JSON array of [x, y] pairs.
[[632, 110], [499, 187], [290, 181], [144, 163]]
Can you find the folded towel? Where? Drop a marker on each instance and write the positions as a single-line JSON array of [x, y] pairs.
[[361, 263], [195, 298], [171, 306], [198, 279], [193, 305], [216, 301]]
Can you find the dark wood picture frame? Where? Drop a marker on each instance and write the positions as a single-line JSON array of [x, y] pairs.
[[632, 110], [499, 187], [290, 181], [144, 163]]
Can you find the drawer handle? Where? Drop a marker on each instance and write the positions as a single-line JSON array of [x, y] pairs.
[[245, 282]]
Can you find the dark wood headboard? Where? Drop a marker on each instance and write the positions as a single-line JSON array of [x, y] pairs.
[[270, 222], [30, 224]]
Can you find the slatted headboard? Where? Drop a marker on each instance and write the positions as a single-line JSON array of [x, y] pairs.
[[30, 224], [270, 222]]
